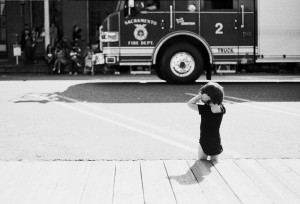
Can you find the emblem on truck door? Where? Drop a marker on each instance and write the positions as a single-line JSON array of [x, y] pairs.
[[140, 32], [182, 22]]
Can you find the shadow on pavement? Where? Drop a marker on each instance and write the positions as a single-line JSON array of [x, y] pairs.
[[195, 174], [98, 92]]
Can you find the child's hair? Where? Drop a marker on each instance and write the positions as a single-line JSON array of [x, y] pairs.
[[214, 91]]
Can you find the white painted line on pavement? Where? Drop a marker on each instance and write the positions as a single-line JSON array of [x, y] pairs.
[[155, 136], [191, 94], [239, 99], [169, 132], [250, 105], [268, 107], [231, 153]]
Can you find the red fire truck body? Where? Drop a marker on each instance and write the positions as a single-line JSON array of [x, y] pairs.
[[183, 38]]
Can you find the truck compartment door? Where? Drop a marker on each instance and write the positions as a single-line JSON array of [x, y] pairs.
[[228, 27], [278, 31], [246, 31], [219, 27]]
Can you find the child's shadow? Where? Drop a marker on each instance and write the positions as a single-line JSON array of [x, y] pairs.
[[195, 174]]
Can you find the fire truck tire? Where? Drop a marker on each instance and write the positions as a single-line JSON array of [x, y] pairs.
[[182, 63], [158, 72]]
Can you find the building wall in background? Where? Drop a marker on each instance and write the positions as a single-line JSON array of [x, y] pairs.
[[75, 13], [87, 14]]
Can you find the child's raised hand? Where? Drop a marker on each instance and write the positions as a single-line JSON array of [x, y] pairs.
[[193, 102]]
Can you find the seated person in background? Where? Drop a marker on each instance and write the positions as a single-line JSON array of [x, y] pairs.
[[88, 60], [49, 58], [61, 60], [75, 56]]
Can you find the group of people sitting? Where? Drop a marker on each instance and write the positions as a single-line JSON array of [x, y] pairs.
[[62, 58]]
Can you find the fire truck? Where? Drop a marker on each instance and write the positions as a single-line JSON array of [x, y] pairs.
[[181, 39]]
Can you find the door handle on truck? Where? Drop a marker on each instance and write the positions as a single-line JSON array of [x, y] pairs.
[[162, 24], [243, 16], [235, 24], [171, 16]]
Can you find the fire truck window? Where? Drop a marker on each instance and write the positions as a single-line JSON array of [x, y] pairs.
[[217, 4], [151, 5], [248, 5], [190, 5], [167, 3], [121, 5]]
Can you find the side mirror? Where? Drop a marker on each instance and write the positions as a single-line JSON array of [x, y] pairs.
[[130, 3], [134, 7]]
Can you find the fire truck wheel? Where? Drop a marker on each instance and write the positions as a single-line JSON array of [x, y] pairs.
[[182, 63], [158, 72]]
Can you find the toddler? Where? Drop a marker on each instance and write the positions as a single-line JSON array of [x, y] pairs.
[[209, 105]]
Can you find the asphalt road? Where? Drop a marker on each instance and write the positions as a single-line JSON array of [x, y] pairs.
[[91, 119]]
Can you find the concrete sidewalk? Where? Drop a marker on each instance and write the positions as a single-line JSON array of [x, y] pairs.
[[133, 182]]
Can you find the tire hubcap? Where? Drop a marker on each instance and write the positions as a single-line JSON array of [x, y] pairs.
[[182, 64]]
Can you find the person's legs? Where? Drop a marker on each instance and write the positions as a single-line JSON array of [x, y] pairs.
[[201, 154], [50, 68], [77, 65], [59, 67], [55, 65], [72, 68], [27, 55]]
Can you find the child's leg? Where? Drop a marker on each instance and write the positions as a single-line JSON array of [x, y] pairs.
[[59, 67], [201, 154], [214, 158], [93, 71], [55, 65]]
